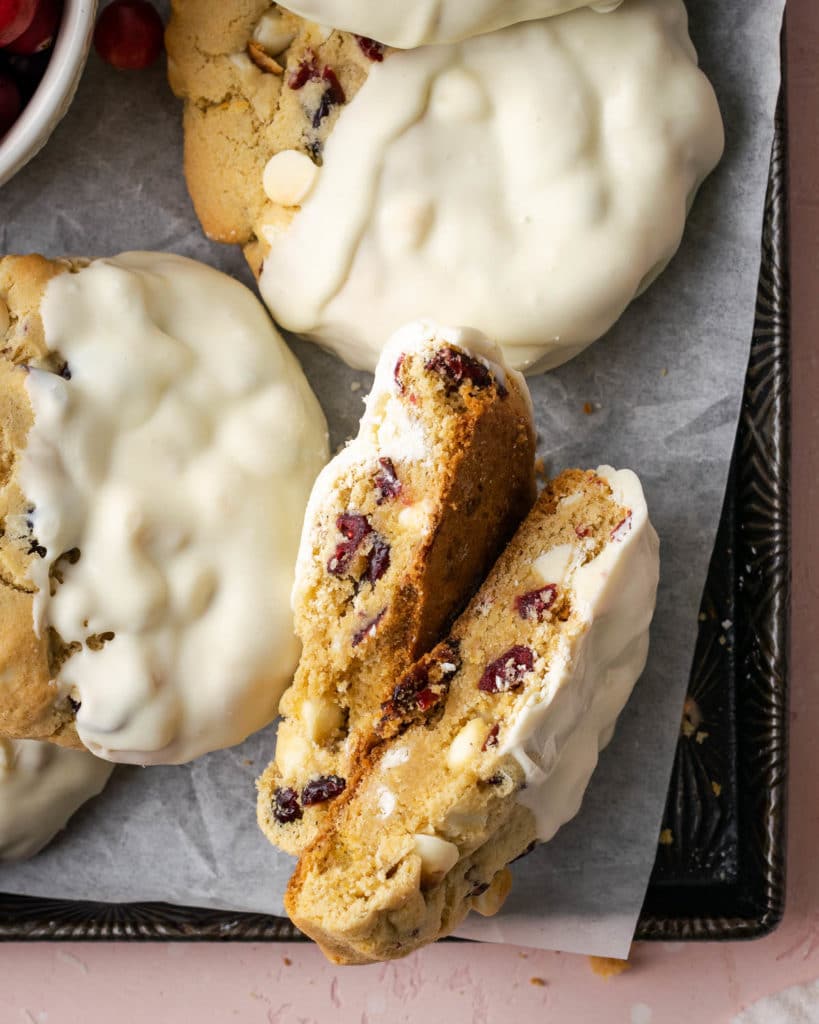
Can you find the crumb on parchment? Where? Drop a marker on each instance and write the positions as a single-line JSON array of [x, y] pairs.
[[607, 967]]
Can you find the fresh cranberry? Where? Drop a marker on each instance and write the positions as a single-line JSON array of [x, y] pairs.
[[492, 739], [378, 560], [622, 530], [370, 48], [286, 806], [40, 33], [10, 103], [354, 527], [387, 481], [15, 18], [536, 603], [370, 629], [333, 96], [457, 367], [322, 789], [507, 672], [129, 34]]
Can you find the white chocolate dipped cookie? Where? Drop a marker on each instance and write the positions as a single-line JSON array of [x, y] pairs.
[[168, 447], [530, 182], [408, 25], [41, 786]]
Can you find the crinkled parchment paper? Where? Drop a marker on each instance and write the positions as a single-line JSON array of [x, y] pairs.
[[666, 387]]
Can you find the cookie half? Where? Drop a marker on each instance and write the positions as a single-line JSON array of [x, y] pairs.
[[489, 741], [401, 528]]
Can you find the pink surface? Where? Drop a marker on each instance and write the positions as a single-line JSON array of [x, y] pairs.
[[667, 984]]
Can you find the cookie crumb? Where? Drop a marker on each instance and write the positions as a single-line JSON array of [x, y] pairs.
[[540, 466], [248, 762], [606, 967], [701, 737], [287, 961], [588, 408], [355, 386], [540, 982], [664, 372], [717, 788], [666, 837]]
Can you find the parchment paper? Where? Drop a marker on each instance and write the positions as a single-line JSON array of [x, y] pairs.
[[666, 386]]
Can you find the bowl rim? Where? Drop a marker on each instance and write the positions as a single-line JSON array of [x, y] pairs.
[[45, 108]]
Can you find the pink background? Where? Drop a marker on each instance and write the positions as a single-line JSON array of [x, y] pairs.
[[667, 984]]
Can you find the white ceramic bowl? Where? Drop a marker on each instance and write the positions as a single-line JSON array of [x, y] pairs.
[[55, 92]]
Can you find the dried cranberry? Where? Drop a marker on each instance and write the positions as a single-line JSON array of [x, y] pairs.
[[536, 603], [622, 530], [387, 481], [370, 629], [322, 789], [378, 560], [370, 48], [507, 672], [286, 806], [304, 73], [418, 690], [492, 739], [75, 705], [457, 367], [354, 527], [333, 96], [582, 531]]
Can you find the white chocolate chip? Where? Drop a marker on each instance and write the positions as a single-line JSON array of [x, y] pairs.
[[4, 317], [395, 757], [467, 744], [437, 857], [321, 718], [386, 802], [272, 33], [553, 566], [414, 518], [288, 177], [292, 750], [490, 902]]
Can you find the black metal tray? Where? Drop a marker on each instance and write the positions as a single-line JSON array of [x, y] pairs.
[[720, 872]]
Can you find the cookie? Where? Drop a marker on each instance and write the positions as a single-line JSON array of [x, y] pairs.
[[159, 444], [529, 182], [489, 741], [41, 786], [433, 21], [401, 528]]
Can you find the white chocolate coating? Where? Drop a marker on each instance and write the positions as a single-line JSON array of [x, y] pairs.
[[416, 23], [178, 458], [529, 183], [41, 786], [558, 735], [388, 428]]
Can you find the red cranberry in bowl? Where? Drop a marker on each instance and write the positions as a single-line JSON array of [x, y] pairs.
[[10, 103], [15, 18], [39, 35], [129, 34]]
